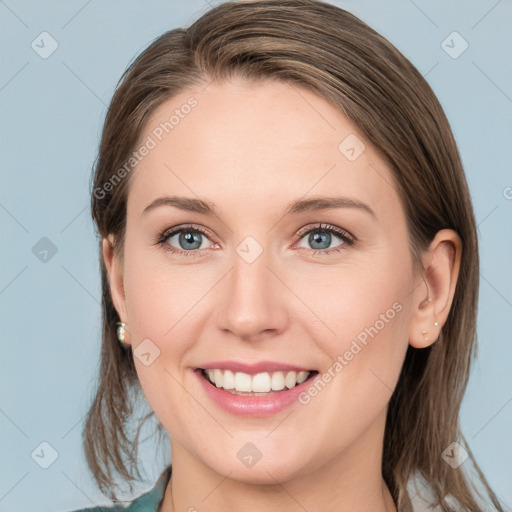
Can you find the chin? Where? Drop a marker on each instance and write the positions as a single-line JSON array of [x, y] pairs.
[[268, 470]]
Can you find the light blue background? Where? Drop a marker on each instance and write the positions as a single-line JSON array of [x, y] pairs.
[[51, 116]]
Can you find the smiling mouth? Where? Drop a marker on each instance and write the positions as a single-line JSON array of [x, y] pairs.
[[260, 384]]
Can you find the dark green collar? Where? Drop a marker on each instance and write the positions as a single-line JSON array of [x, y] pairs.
[[150, 501]]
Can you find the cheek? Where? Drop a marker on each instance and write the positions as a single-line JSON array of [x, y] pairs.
[[364, 300], [163, 308], [160, 297], [367, 309]]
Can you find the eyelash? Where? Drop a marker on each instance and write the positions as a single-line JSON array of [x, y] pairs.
[[347, 238]]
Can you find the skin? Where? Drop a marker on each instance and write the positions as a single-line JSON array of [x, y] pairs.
[[252, 148]]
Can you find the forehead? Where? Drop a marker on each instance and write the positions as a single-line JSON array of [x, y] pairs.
[[240, 143]]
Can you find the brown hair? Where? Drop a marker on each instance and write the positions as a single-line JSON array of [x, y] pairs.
[[331, 52]]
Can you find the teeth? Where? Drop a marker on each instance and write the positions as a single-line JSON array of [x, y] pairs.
[[229, 380], [217, 376], [259, 383], [302, 376], [242, 382], [290, 380], [277, 381]]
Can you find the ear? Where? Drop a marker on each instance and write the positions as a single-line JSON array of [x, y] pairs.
[[115, 276], [433, 295]]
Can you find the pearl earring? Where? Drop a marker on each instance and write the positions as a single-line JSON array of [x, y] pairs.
[[121, 333]]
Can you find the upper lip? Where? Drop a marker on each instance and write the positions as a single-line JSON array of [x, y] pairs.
[[253, 368]]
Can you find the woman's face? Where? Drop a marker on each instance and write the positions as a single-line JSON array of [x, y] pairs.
[[262, 288]]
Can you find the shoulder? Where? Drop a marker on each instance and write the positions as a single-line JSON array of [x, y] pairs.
[[148, 502], [102, 509], [106, 508], [423, 499]]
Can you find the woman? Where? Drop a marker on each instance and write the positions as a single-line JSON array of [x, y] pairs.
[[290, 271]]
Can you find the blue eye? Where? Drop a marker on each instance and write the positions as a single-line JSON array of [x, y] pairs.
[[190, 240], [321, 237]]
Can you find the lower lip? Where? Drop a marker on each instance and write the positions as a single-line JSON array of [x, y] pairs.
[[246, 405]]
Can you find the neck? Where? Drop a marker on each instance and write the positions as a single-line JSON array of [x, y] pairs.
[[351, 480]]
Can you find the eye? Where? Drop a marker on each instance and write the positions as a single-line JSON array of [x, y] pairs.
[[320, 238], [190, 240], [184, 240]]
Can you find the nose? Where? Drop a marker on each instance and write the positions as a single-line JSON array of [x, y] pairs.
[[254, 305]]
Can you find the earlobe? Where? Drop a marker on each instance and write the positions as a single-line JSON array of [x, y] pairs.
[[115, 275], [433, 296]]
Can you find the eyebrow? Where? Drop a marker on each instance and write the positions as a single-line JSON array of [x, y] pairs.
[[191, 204]]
